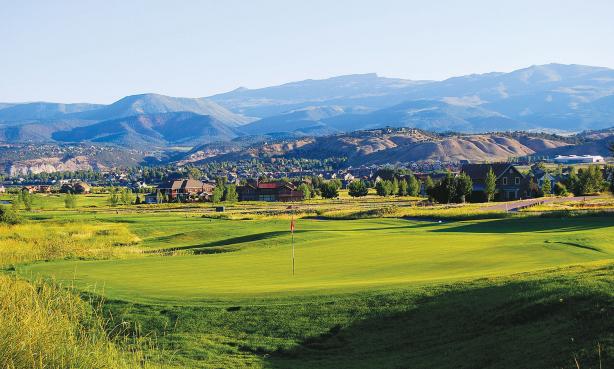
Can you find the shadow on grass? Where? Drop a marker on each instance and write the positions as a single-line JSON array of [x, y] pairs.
[[531, 224], [221, 245], [536, 324]]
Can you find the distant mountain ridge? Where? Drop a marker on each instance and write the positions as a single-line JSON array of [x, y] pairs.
[[552, 97], [162, 129]]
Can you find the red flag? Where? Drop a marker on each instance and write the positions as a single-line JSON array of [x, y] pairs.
[[292, 225]]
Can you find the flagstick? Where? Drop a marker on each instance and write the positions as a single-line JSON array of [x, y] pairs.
[[292, 245]]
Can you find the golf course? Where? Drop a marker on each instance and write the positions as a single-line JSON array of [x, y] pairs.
[[393, 292], [243, 259]]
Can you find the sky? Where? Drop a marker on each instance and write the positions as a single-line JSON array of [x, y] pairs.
[[100, 51]]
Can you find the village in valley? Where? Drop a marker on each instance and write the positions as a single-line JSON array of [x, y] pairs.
[[497, 181]]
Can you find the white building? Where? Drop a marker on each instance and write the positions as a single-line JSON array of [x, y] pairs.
[[578, 159]]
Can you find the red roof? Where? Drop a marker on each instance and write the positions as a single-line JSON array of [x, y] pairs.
[[271, 185]]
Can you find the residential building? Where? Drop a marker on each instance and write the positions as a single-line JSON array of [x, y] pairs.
[[269, 191], [578, 159], [510, 183], [184, 190]]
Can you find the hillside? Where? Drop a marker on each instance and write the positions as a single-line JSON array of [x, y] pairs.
[[152, 129], [392, 145]]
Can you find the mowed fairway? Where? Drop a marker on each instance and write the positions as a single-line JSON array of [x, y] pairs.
[[331, 256]]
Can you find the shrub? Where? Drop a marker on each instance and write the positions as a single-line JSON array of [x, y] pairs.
[[70, 201], [9, 215]]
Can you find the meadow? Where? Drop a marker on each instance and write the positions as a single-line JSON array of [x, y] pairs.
[[378, 284]]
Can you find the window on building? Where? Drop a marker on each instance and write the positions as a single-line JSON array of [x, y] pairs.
[[517, 180], [504, 180]]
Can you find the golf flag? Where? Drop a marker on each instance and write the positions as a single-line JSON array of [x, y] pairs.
[[292, 225]]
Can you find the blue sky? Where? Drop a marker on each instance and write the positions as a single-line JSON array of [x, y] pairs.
[[100, 51]]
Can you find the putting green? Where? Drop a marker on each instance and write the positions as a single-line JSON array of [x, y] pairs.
[[335, 256]]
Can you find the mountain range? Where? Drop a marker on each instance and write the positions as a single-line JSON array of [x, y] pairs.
[[552, 97]]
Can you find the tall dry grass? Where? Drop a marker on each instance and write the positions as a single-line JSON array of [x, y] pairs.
[[46, 326], [50, 241], [43, 325]]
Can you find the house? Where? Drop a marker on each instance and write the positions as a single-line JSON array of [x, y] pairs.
[[77, 187], [184, 190], [43, 189], [510, 183], [540, 176], [269, 191], [30, 189]]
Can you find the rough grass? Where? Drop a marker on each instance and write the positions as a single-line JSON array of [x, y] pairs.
[[43, 325], [46, 326], [51, 240]]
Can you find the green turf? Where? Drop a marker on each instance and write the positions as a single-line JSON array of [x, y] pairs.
[[331, 256]]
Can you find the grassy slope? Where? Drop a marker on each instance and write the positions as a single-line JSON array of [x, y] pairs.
[[332, 256], [537, 320]]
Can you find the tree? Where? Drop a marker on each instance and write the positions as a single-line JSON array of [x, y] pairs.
[[383, 188], [217, 194], [573, 182], [413, 185], [26, 199], [394, 186], [125, 196], [358, 189], [547, 187], [403, 188], [560, 189], [113, 197], [490, 185], [304, 188], [70, 201], [590, 180], [230, 193], [329, 190], [464, 187], [429, 186], [336, 182]]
